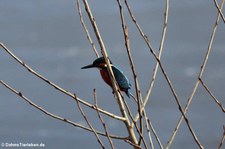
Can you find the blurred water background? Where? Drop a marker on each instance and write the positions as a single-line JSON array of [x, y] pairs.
[[48, 36]]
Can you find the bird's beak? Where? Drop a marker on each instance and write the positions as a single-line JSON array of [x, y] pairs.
[[88, 66]]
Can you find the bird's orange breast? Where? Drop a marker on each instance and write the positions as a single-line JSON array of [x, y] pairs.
[[105, 77]]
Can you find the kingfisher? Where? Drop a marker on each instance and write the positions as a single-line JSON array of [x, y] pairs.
[[121, 79]]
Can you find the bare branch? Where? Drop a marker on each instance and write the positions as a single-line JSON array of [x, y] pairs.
[[102, 121], [223, 138], [147, 126], [156, 67], [139, 128], [199, 76], [57, 87], [219, 10], [169, 83], [150, 46], [127, 44], [135, 124], [86, 30], [211, 94], [21, 95], [110, 72], [105, 55], [166, 14], [155, 134], [148, 129], [132, 144], [180, 107], [89, 124], [139, 29]]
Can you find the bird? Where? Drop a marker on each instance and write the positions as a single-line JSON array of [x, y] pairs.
[[121, 79]]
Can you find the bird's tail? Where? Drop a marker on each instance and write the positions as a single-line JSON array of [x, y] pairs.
[[128, 93]]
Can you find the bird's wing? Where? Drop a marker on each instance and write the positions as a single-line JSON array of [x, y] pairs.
[[121, 79]]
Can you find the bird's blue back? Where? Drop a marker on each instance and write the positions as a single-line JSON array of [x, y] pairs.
[[121, 79]]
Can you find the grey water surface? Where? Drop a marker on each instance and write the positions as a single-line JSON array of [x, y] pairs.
[[48, 36]]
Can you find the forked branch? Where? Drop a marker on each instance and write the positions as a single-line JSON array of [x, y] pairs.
[[21, 95], [199, 76], [58, 87]]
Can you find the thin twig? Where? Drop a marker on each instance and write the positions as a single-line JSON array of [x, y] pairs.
[[159, 56], [211, 94], [135, 124], [150, 46], [132, 144], [223, 138], [147, 126], [155, 134], [86, 30], [127, 45], [148, 129], [21, 95], [89, 124], [102, 121], [57, 87], [180, 108], [132, 96], [219, 10], [199, 76], [171, 86], [166, 14]]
